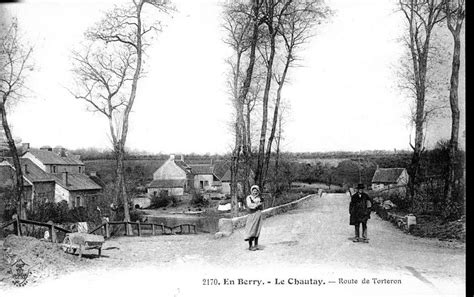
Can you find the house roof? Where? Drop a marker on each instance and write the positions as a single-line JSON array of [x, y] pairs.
[[97, 180], [202, 169], [183, 165], [387, 175], [220, 168], [52, 158], [167, 183], [76, 182], [32, 172]]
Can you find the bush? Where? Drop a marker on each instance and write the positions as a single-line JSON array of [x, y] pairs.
[[60, 213], [135, 215], [197, 200], [163, 200]]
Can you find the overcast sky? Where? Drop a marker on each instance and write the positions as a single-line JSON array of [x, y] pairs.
[[344, 97]]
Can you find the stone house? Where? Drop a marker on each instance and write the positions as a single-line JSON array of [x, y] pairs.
[[168, 187], [76, 188], [176, 178], [43, 183], [173, 177], [54, 162], [389, 178], [68, 173], [204, 177]]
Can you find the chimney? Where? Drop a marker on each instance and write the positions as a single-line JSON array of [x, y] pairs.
[[25, 147], [65, 178], [62, 152]]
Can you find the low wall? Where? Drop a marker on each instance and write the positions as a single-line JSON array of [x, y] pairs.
[[402, 222], [227, 226]]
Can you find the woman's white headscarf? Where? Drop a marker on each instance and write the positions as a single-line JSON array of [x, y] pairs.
[[255, 187]]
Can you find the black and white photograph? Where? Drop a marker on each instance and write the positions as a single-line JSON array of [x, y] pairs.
[[232, 148]]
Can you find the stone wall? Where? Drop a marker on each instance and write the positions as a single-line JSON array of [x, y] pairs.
[[405, 223], [227, 226]]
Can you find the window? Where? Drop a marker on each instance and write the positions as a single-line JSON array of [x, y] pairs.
[[79, 201], [201, 184], [54, 169], [80, 169]]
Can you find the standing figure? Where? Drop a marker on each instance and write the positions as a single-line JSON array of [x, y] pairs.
[[359, 209], [254, 219]]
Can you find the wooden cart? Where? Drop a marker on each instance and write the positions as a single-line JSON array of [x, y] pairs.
[[82, 241]]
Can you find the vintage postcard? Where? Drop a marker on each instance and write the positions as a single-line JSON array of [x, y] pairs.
[[232, 148]]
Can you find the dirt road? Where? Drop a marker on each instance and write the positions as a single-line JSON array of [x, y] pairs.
[[306, 252]]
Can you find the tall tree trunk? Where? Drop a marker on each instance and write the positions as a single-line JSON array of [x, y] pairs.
[[277, 160], [263, 132], [234, 176], [243, 94], [128, 109], [275, 116], [455, 114], [19, 187]]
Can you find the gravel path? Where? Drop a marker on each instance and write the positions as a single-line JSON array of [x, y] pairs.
[[305, 252]]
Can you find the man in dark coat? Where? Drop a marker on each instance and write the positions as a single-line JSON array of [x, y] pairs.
[[359, 209]]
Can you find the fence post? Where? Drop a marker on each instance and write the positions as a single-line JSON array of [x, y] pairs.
[[18, 226], [53, 233], [153, 229], [107, 230], [139, 229]]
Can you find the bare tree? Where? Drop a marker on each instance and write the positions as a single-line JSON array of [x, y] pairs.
[[108, 72], [15, 61], [241, 21], [422, 17], [272, 14], [455, 14], [295, 29]]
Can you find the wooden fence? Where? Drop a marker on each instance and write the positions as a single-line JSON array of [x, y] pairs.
[[106, 229]]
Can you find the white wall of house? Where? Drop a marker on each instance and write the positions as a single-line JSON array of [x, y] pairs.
[[403, 178], [203, 181], [169, 170], [171, 191], [377, 187], [61, 194], [142, 202]]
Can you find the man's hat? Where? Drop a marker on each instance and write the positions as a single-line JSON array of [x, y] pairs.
[[360, 186]]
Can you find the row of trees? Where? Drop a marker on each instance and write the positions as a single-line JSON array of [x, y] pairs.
[[424, 18], [265, 37]]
